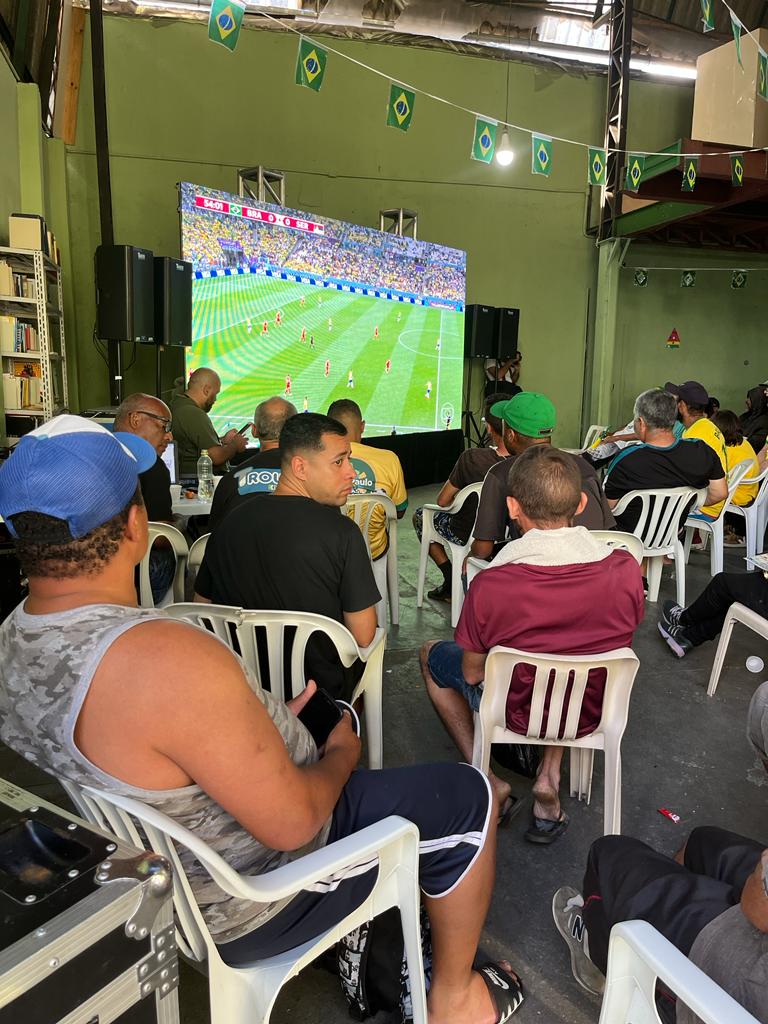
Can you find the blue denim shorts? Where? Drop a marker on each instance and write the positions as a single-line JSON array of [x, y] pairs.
[[444, 663]]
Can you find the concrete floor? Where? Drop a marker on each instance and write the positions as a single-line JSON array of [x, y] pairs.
[[682, 750]]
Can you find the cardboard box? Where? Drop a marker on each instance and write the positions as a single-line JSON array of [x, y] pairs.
[[726, 107], [27, 231]]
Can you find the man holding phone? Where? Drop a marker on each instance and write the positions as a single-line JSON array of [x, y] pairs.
[[502, 375], [193, 429], [103, 693]]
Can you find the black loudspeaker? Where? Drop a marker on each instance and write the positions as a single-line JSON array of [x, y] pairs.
[[507, 328], [480, 331], [173, 301], [125, 303]]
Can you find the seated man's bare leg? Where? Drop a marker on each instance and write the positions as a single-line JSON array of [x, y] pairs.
[[457, 994], [437, 553], [455, 714], [546, 788]]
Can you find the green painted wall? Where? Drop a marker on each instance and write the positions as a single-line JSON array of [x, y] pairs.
[[10, 187], [181, 108], [722, 331]]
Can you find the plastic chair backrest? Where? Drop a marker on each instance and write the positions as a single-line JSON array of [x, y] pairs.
[[592, 435], [736, 476], [550, 699], [241, 628], [660, 514], [361, 508], [618, 539], [181, 553], [638, 955], [463, 494], [197, 551]]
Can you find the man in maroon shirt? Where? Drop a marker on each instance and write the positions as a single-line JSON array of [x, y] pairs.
[[544, 593]]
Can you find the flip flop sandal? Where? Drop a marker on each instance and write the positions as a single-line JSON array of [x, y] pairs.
[[512, 807], [545, 831], [506, 990]]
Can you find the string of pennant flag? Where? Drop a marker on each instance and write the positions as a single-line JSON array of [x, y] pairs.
[[225, 23]]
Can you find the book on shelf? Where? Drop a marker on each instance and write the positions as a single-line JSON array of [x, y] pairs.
[[22, 392], [17, 336]]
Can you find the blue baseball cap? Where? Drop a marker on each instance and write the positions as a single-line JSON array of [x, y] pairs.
[[75, 470]]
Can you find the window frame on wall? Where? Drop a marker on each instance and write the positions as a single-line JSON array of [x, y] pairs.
[[30, 35]]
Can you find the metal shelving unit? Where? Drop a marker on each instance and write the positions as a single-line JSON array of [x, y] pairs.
[[45, 313]]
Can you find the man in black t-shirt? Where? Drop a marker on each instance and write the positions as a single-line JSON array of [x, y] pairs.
[[150, 418], [471, 467], [529, 419], [261, 471], [660, 461], [293, 550]]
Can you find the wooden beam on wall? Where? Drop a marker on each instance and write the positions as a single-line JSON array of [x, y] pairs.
[[70, 65]]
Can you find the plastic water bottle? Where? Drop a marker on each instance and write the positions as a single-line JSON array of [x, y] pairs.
[[204, 476]]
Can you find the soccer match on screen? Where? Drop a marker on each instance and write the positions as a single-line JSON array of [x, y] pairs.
[[314, 309]]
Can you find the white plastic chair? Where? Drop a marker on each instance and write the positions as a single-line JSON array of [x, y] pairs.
[[715, 526], [624, 541], [360, 508], [244, 625], [736, 613], [197, 551], [246, 995], [592, 434], [658, 527], [755, 516], [638, 955], [181, 553], [491, 722], [457, 552]]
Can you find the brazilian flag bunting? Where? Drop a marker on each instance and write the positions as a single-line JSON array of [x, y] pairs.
[[484, 141], [225, 22], [690, 172], [400, 110], [736, 27], [310, 65], [541, 154], [635, 168], [737, 169], [708, 15], [762, 74], [596, 161]]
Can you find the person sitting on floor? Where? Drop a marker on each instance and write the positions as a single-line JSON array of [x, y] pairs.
[[471, 467], [377, 470], [529, 420], [686, 628], [291, 549], [710, 901], [661, 462], [545, 594], [261, 471], [737, 449], [105, 694]]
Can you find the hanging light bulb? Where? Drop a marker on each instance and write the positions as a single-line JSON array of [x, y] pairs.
[[504, 153]]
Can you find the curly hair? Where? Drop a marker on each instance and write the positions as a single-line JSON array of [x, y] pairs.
[[45, 547]]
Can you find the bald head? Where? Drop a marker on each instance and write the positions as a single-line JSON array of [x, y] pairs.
[[147, 417], [345, 411], [269, 419], [203, 387]]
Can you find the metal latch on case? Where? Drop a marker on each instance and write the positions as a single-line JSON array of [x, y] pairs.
[[155, 873]]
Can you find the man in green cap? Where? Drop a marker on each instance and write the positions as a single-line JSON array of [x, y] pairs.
[[529, 419]]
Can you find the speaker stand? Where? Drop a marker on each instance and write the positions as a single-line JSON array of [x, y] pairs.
[[468, 421]]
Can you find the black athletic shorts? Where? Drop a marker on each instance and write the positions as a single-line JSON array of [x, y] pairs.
[[449, 803]]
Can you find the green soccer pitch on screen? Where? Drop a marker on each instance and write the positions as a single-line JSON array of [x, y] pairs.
[[314, 309]]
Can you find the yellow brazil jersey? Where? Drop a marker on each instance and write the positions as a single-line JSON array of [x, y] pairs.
[[744, 452], [706, 431], [378, 470]]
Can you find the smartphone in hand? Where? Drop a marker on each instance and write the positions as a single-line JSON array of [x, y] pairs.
[[320, 715]]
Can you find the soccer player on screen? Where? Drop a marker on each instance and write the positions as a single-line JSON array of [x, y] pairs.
[[287, 384], [437, 345], [312, 343], [278, 318], [265, 328], [398, 318], [248, 326], [327, 367], [306, 403], [330, 323], [428, 392], [387, 366], [350, 380], [301, 301], [376, 332], [303, 334]]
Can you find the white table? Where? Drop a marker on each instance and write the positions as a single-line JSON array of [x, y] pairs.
[[191, 507]]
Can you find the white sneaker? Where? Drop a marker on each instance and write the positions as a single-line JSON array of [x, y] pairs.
[[567, 907]]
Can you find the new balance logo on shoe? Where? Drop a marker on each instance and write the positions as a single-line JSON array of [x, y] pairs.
[[578, 927]]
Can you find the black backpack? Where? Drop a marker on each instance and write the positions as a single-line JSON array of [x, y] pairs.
[[372, 968]]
